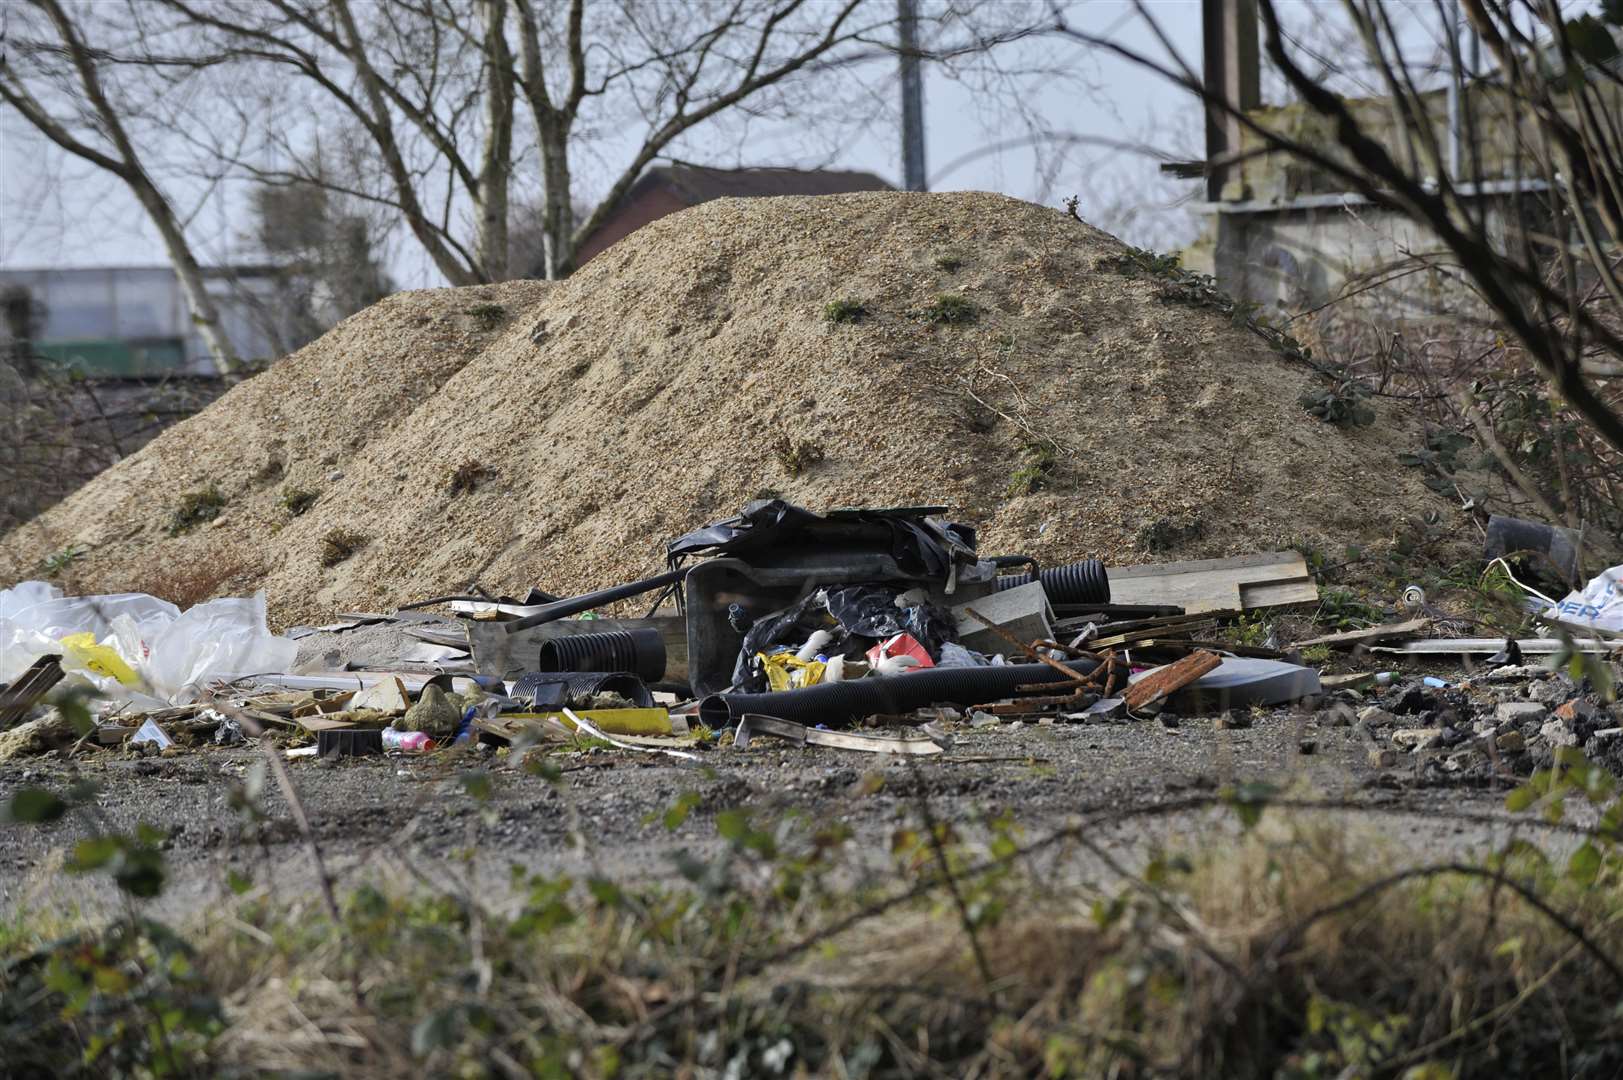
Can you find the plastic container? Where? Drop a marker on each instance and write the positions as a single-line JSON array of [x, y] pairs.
[[350, 742], [407, 742]]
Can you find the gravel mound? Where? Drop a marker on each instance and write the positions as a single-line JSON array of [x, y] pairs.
[[558, 434]]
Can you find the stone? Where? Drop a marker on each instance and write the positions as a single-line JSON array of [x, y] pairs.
[[1557, 733], [37, 736], [1521, 712], [1417, 738], [1374, 716], [386, 696], [1511, 742], [1337, 715], [1383, 759], [1414, 699], [1555, 689], [432, 714]]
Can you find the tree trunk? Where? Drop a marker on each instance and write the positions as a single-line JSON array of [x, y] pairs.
[[495, 168], [558, 212], [205, 316]]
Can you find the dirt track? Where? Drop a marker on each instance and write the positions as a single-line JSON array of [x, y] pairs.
[[409, 816]]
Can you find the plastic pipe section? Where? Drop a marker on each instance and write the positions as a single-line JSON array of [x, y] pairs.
[[1082, 582], [838, 704], [641, 652]]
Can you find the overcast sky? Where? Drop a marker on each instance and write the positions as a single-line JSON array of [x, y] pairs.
[[58, 212]]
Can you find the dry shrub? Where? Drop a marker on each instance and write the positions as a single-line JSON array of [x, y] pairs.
[[186, 581], [1290, 949]]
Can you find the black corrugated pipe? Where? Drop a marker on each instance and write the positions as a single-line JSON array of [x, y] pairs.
[[837, 704], [1082, 582], [639, 651], [552, 689]]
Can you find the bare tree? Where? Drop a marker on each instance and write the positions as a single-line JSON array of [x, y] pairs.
[[1514, 168], [58, 81], [461, 100]]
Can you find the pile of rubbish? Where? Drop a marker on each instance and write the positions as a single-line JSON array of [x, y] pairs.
[[778, 619], [812, 627]]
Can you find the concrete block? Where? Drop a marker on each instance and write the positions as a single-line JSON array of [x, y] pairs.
[[1023, 612]]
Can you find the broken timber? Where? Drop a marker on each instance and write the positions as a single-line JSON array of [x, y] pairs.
[[1170, 679], [28, 689], [1368, 634]]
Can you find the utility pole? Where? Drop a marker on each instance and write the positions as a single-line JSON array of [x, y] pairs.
[[907, 22]]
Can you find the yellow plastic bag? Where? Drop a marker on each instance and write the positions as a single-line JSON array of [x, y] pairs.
[[81, 651], [785, 672]]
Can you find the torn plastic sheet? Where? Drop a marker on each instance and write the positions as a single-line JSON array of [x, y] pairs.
[[1597, 606], [135, 647]]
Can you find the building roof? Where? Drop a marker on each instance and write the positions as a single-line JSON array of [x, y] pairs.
[[699, 183]]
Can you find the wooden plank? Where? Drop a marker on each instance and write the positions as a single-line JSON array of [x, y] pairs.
[[1170, 679], [1260, 594], [1268, 579], [1369, 633]]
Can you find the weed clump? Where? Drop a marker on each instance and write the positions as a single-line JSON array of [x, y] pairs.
[[796, 455], [296, 500], [467, 477], [488, 316], [58, 561], [1342, 404], [844, 311], [950, 309], [340, 544], [1037, 462], [195, 508]]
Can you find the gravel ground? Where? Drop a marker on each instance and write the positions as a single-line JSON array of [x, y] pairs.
[[398, 815]]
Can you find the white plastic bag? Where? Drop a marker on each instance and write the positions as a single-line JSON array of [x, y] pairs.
[[170, 654], [35, 617], [1599, 605], [220, 639]]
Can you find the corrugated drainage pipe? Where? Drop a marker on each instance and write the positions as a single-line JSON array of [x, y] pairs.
[[838, 704], [1082, 582], [639, 651], [553, 689]]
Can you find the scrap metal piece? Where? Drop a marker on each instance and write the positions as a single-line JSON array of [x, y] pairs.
[[757, 723]]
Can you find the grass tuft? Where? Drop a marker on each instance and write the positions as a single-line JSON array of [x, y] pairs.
[[195, 508], [950, 309], [844, 311], [340, 544]]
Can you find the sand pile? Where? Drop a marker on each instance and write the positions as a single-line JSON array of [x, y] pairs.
[[526, 434]]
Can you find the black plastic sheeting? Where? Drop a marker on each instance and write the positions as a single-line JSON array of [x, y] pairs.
[[640, 651], [557, 689], [919, 541], [1082, 582], [839, 704]]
